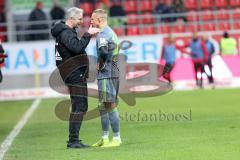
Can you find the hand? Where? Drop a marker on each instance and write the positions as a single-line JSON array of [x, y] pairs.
[[93, 30], [97, 67]]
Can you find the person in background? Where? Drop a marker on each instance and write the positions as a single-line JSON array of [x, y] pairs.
[[57, 12], [228, 45], [2, 57], [115, 12], [211, 51], [179, 7], [199, 55], [165, 8], [169, 55], [160, 7], [38, 16]]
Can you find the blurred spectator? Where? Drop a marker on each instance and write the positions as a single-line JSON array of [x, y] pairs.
[[211, 51], [166, 9], [1, 60], [199, 55], [169, 55], [178, 6], [94, 2], [57, 12], [159, 9], [116, 11], [36, 15], [2, 18], [228, 45]]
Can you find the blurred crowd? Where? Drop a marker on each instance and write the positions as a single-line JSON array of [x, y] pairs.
[[37, 14]]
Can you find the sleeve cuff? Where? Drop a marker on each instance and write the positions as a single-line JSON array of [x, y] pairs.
[[86, 34]]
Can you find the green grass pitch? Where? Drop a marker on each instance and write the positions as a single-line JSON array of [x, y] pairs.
[[207, 128]]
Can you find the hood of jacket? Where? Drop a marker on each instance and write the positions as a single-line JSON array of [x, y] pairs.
[[58, 28]]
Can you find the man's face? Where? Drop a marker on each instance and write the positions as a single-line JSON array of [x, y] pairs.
[[77, 20], [205, 38], [95, 21], [195, 36], [39, 5]]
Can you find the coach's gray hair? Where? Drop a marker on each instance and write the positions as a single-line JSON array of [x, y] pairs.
[[73, 12]]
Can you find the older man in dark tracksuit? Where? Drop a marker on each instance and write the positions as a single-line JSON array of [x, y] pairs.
[[68, 46]]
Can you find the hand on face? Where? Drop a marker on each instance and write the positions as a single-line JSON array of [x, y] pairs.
[[92, 30]]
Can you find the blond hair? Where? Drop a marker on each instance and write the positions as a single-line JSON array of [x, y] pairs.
[[101, 13]]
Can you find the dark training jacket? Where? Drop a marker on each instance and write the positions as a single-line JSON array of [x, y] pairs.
[[68, 44]]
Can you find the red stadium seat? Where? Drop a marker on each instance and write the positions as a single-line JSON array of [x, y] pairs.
[[119, 31], [236, 13], [236, 25], [221, 3], [87, 7], [207, 27], [235, 3], [192, 28], [164, 29], [146, 6], [149, 30], [204, 4], [192, 16], [207, 15], [2, 10], [131, 6], [217, 37], [148, 18], [178, 29], [224, 26], [222, 14], [2, 2], [132, 18], [133, 31], [3, 38], [99, 5], [190, 4], [236, 36]]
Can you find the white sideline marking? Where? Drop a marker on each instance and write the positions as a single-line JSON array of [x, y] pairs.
[[17, 129]]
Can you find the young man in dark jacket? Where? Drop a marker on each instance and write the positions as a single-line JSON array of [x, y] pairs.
[[68, 49]]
